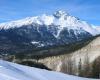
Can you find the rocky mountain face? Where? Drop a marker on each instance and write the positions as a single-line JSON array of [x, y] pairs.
[[37, 32]]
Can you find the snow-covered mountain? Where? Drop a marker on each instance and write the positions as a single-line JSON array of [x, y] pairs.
[[12, 71], [45, 30], [59, 18]]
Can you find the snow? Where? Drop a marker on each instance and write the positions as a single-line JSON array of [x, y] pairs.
[[38, 44], [60, 19], [97, 28], [35, 42], [46, 20], [12, 71]]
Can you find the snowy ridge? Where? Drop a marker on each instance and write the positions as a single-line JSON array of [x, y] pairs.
[[59, 18], [12, 71], [97, 28]]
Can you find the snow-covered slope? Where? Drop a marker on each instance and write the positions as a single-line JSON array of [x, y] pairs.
[[12, 71]]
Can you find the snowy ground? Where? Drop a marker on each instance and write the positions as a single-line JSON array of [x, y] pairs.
[[12, 71]]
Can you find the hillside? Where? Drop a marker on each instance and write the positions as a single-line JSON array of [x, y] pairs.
[[63, 62]]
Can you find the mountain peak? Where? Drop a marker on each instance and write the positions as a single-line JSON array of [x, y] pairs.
[[60, 18], [60, 13]]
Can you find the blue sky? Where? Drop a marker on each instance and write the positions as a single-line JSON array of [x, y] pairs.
[[88, 10]]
